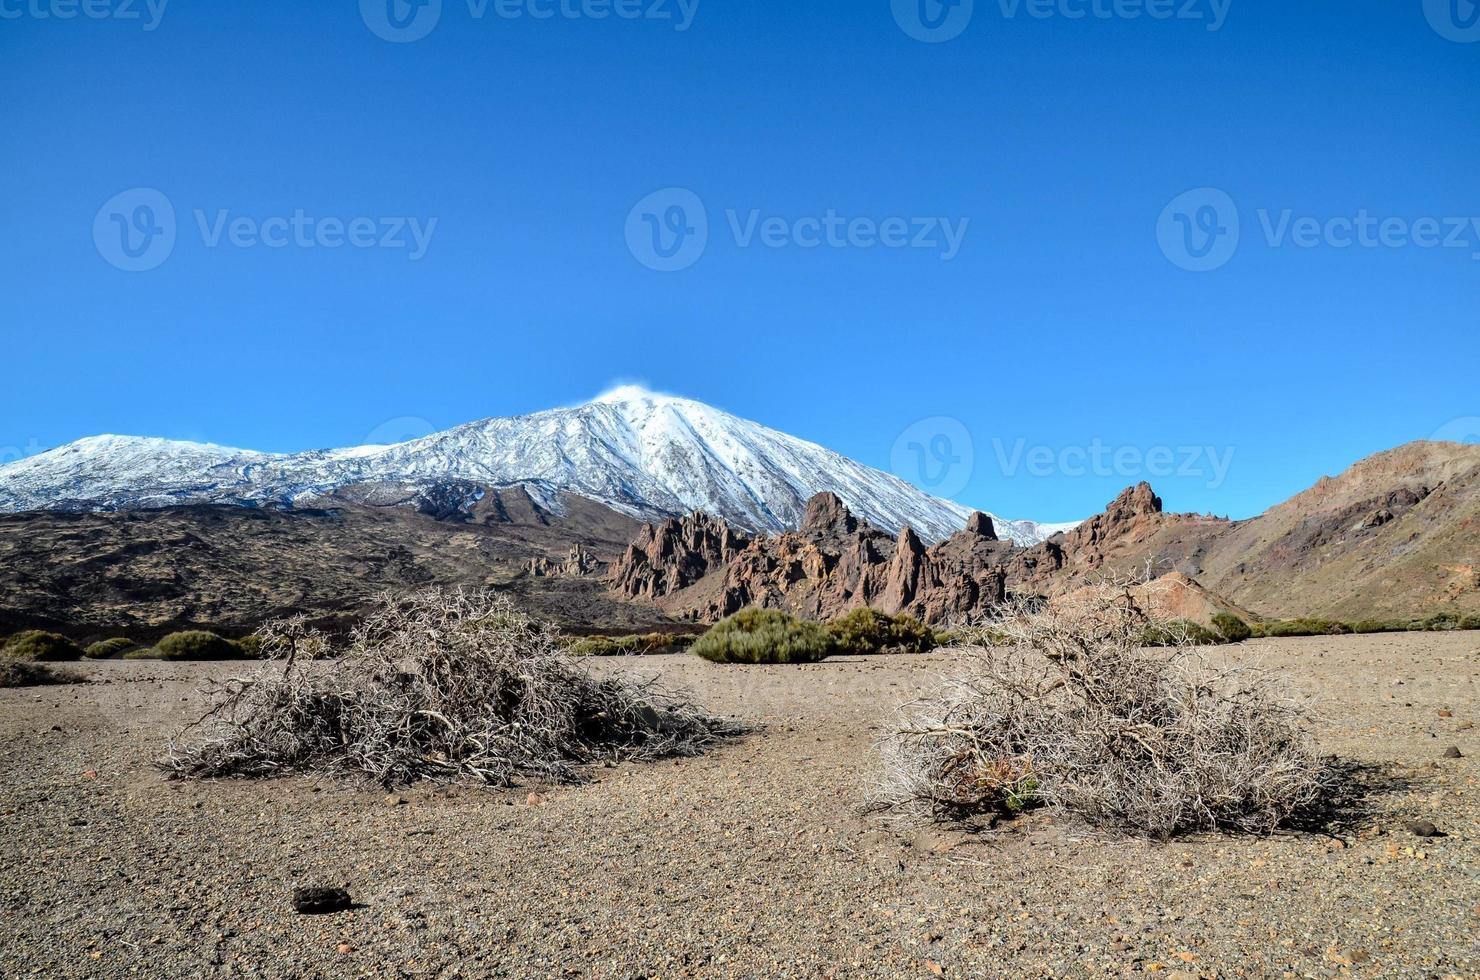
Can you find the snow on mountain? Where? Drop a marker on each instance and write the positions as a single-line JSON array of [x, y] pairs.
[[644, 454]]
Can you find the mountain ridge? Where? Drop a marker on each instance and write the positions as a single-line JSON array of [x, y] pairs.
[[641, 453]]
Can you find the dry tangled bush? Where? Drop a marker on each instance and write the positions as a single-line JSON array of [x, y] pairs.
[[22, 673], [1068, 710], [456, 686]]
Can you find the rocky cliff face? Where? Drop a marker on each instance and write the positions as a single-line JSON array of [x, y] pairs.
[[668, 557], [833, 563]]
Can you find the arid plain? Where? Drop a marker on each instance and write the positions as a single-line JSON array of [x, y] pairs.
[[752, 860]]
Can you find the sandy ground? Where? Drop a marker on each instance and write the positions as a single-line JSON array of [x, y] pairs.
[[750, 862]]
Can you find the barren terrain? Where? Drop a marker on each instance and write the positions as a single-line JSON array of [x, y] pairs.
[[752, 861]]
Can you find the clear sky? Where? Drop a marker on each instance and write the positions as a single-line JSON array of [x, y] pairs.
[[1057, 349]]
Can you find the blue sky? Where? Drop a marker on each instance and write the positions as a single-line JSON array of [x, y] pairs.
[[1061, 350]]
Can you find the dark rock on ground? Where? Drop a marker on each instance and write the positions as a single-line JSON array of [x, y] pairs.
[[320, 901]]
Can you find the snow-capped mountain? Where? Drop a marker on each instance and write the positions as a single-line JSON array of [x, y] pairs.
[[638, 452]]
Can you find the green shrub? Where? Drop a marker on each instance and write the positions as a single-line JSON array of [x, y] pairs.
[[911, 635], [143, 653], [248, 647], [1179, 631], [1308, 627], [38, 646], [629, 646], [1442, 621], [1470, 622], [766, 636], [196, 645], [868, 631], [946, 638], [1232, 629], [105, 649]]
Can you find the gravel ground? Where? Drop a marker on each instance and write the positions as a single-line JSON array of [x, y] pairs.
[[750, 862]]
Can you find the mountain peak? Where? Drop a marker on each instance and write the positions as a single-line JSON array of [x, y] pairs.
[[642, 453], [622, 394]]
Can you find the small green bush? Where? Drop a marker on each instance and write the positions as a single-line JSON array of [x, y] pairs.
[[248, 647], [40, 646], [143, 653], [766, 636], [1308, 627], [196, 645], [105, 649], [1231, 628], [868, 631], [629, 646], [1179, 631], [911, 635], [1470, 622], [1442, 621]]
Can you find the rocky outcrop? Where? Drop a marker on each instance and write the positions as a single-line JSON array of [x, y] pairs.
[[827, 514], [832, 563], [1135, 511], [1392, 537], [576, 563], [675, 554]]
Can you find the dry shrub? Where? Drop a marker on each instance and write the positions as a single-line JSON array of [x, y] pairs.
[[458, 687], [24, 673], [1072, 712]]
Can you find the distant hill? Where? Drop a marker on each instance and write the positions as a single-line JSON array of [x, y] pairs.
[[1397, 534]]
